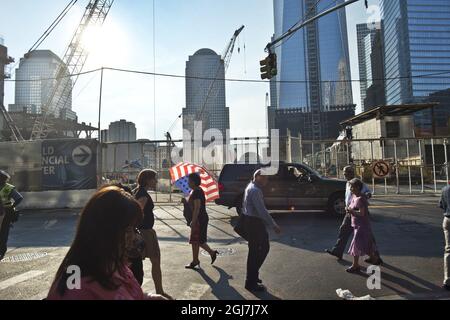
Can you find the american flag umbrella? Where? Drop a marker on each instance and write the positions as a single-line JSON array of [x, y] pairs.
[[179, 174]]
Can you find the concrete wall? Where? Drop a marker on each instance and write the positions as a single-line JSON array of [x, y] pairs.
[[55, 199], [68, 199]]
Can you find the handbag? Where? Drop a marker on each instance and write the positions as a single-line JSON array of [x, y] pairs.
[[137, 250], [240, 229], [187, 213]]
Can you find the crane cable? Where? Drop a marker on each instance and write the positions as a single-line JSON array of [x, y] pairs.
[[52, 27]]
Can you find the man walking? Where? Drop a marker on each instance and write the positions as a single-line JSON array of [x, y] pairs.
[[444, 204], [255, 219], [9, 198], [346, 230]]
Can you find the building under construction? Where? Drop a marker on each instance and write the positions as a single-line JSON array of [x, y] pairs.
[[61, 128]]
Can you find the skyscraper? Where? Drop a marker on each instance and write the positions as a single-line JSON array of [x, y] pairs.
[[205, 98], [316, 55], [364, 37], [375, 93], [416, 43], [42, 66], [120, 131], [370, 61]]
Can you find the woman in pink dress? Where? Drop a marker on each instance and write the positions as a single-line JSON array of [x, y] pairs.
[[362, 243], [96, 266]]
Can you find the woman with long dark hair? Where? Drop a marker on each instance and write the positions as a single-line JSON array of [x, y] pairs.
[[95, 267], [147, 180], [199, 224]]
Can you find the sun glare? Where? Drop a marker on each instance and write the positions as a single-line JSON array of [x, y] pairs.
[[105, 44]]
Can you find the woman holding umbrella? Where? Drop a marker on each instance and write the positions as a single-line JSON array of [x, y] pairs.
[[199, 224]]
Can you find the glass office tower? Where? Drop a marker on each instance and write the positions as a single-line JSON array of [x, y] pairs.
[[417, 43], [316, 57], [316, 53]]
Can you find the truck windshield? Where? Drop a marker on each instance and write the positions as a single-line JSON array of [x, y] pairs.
[[311, 170]]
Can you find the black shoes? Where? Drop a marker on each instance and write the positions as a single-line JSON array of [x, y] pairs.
[[353, 270], [255, 287], [446, 287], [192, 265], [329, 251], [214, 257]]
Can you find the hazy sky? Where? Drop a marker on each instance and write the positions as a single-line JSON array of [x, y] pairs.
[[182, 27]]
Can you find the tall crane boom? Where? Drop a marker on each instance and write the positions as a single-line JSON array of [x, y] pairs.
[[74, 60], [228, 52]]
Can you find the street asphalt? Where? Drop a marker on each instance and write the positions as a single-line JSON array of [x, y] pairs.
[[408, 230]]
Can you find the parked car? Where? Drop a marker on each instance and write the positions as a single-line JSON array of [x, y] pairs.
[[295, 187]]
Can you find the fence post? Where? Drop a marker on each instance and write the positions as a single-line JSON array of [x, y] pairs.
[[434, 165], [337, 159], [421, 166], [409, 166], [384, 157], [446, 160], [396, 167], [257, 150], [301, 147], [324, 158], [371, 163], [288, 147], [313, 156], [348, 152], [115, 159]]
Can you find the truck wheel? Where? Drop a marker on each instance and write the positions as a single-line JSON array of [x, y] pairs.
[[336, 204]]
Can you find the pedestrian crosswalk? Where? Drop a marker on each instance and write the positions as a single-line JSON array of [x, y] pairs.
[[20, 278], [194, 292]]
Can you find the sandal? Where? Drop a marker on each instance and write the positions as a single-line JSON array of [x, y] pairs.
[[353, 270], [192, 265], [214, 256]]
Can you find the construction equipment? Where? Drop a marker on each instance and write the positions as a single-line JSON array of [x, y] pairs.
[[74, 60], [15, 132]]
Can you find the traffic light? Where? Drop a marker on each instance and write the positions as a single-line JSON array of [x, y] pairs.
[[269, 66]]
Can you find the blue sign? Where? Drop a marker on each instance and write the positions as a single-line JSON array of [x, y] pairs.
[[69, 164]]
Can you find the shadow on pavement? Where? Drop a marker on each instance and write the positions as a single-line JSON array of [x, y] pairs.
[[395, 235], [402, 283], [222, 289]]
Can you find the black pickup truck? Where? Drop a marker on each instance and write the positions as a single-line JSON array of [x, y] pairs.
[[295, 187]]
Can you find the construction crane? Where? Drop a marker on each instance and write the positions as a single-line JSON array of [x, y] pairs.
[[226, 57], [15, 132], [74, 60]]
